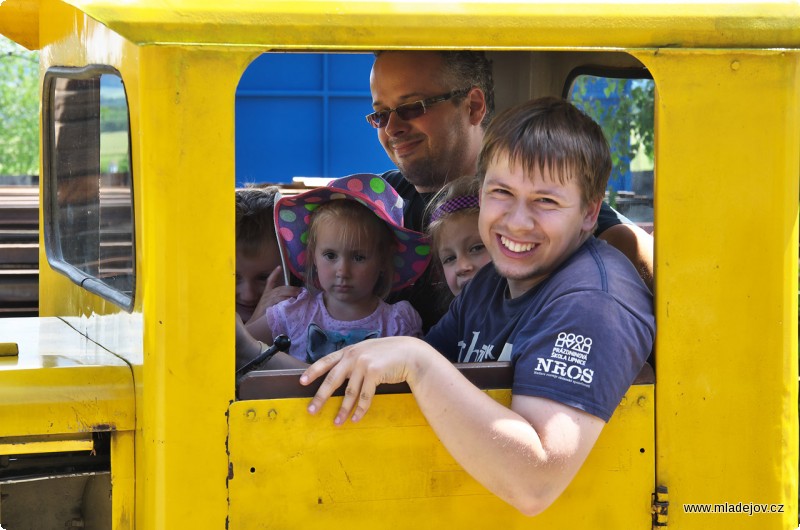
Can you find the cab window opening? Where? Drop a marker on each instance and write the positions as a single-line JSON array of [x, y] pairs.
[[88, 188], [598, 91], [622, 102]]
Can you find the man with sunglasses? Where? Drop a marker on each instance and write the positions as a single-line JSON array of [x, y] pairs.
[[431, 109]]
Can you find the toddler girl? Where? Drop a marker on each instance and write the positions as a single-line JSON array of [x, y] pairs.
[[454, 233], [347, 240]]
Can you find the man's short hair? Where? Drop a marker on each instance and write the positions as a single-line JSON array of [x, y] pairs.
[[551, 133], [466, 69]]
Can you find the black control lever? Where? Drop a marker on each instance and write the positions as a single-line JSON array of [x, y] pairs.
[[281, 343]]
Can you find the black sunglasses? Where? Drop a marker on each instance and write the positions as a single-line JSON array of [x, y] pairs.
[[409, 111]]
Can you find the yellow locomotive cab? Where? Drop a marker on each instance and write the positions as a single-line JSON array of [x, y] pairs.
[[131, 360]]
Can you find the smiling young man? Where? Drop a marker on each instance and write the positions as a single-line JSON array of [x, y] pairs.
[[570, 312]]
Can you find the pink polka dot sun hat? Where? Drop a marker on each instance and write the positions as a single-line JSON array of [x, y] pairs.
[[293, 216]]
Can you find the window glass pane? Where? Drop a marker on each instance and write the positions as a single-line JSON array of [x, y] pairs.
[[91, 204], [624, 109]]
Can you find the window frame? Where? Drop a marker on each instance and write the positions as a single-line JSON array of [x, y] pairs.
[[610, 72], [51, 223]]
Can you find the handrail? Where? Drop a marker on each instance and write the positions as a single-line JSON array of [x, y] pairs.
[[274, 384]]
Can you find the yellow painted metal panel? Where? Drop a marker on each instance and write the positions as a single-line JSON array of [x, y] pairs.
[[123, 480], [386, 24], [19, 21], [187, 142], [728, 146], [72, 39], [181, 412], [293, 470], [61, 382], [25, 445]]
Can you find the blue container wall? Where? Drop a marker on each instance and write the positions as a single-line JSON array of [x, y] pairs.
[[302, 115]]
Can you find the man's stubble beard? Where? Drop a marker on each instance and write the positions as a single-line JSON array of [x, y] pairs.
[[423, 174], [431, 172]]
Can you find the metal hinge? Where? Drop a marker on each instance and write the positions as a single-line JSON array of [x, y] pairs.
[[660, 507]]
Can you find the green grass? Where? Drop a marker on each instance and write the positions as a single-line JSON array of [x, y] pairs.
[[114, 150]]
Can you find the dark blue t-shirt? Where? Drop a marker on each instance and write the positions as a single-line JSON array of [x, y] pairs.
[[580, 337]]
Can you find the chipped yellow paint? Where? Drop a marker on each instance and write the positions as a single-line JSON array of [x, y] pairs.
[[391, 463], [61, 382], [45, 444]]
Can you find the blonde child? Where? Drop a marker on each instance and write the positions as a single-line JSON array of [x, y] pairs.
[[453, 228], [347, 240]]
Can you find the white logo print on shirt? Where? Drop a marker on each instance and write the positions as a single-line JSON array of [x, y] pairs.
[[484, 353], [568, 360]]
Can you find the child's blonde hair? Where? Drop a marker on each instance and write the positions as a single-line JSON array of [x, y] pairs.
[[357, 226]]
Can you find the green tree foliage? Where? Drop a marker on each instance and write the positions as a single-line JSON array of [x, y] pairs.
[[113, 118], [19, 110], [624, 109]]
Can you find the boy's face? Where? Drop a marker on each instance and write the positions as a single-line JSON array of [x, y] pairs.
[[530, 223], [251, 277]]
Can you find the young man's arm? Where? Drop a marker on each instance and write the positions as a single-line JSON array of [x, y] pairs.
[[526, 455], [636, 244], [629, 238]]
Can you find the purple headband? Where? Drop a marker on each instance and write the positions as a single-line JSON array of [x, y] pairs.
[[453, 205]]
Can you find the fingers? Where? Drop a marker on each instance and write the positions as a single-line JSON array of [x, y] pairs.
[[340, 367], [273, 295], [274, 279], [351, 394], [358, 395], [363, 368], [365, 395], [284, 292], [329, 385], [320, 367]]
